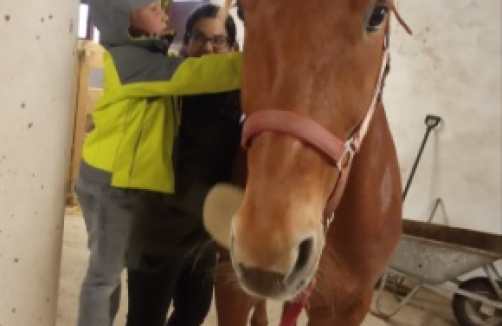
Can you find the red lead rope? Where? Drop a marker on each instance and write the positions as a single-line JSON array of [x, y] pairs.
[[295, 308]]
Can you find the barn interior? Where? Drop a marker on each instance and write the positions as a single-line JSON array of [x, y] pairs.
[[449, 69]]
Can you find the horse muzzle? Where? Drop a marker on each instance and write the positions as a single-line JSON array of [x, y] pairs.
[[277, 274]]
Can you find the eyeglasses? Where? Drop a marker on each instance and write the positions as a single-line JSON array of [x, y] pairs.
[[217, 41]]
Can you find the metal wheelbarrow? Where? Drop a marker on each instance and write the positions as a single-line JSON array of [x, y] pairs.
[[435, 256]]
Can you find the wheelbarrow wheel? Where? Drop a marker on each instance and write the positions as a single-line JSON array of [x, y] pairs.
[[470, 312]]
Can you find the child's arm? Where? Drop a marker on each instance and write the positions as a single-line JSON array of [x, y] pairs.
[[157, 75]]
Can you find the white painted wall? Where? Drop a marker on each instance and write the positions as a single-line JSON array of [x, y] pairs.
[[37, 62], [451, 67]]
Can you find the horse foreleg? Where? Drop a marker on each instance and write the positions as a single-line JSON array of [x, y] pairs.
[[259, 316], [233, 306], [350, 315]]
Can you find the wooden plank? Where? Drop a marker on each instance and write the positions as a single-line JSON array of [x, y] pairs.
[[93, 96], [90, 56], [94, 54]]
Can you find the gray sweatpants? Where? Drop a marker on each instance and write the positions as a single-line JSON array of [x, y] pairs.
[[135, 222], [108, 213]]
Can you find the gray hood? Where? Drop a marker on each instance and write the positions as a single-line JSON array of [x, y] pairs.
[[112, 19]]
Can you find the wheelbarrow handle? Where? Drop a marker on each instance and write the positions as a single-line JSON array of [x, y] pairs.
[[432, 121]]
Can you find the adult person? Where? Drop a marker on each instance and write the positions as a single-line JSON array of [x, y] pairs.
[[176, 258]]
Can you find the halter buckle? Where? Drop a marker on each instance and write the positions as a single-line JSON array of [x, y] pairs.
[[327, 221], [347, 155]]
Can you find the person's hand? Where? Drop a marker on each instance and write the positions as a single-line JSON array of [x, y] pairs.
[[220, 205]]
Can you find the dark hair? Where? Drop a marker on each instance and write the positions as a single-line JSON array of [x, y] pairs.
[[209, 11]]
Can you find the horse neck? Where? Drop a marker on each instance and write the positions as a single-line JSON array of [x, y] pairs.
[[369, 213], [367, 225], [375, 168]]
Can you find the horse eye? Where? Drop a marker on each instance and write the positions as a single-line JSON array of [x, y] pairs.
[[377, 17]]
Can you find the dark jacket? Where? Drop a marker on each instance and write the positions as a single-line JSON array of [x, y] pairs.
[[208, 143]]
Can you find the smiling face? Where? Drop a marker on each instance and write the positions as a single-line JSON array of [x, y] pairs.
[[150, 19], [208, 35], [322, 61]]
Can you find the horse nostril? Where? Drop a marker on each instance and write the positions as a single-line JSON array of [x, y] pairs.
[[262, 282], [304, 252]]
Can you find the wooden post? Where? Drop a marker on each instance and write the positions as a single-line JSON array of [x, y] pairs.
[[90, 56]]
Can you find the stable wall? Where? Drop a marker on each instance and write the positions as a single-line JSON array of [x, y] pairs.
[[37, 71], [450, 67]]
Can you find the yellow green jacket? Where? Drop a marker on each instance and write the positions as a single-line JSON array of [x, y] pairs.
[[137, 118]]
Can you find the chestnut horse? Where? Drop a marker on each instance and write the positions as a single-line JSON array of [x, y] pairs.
[[313, 72]]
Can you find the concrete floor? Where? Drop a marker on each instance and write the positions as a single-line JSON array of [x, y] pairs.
[[426, 309]]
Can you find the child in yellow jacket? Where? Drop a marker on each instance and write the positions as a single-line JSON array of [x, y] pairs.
[[129, 157]]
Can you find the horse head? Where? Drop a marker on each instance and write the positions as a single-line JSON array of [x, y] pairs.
[[312, 76]]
